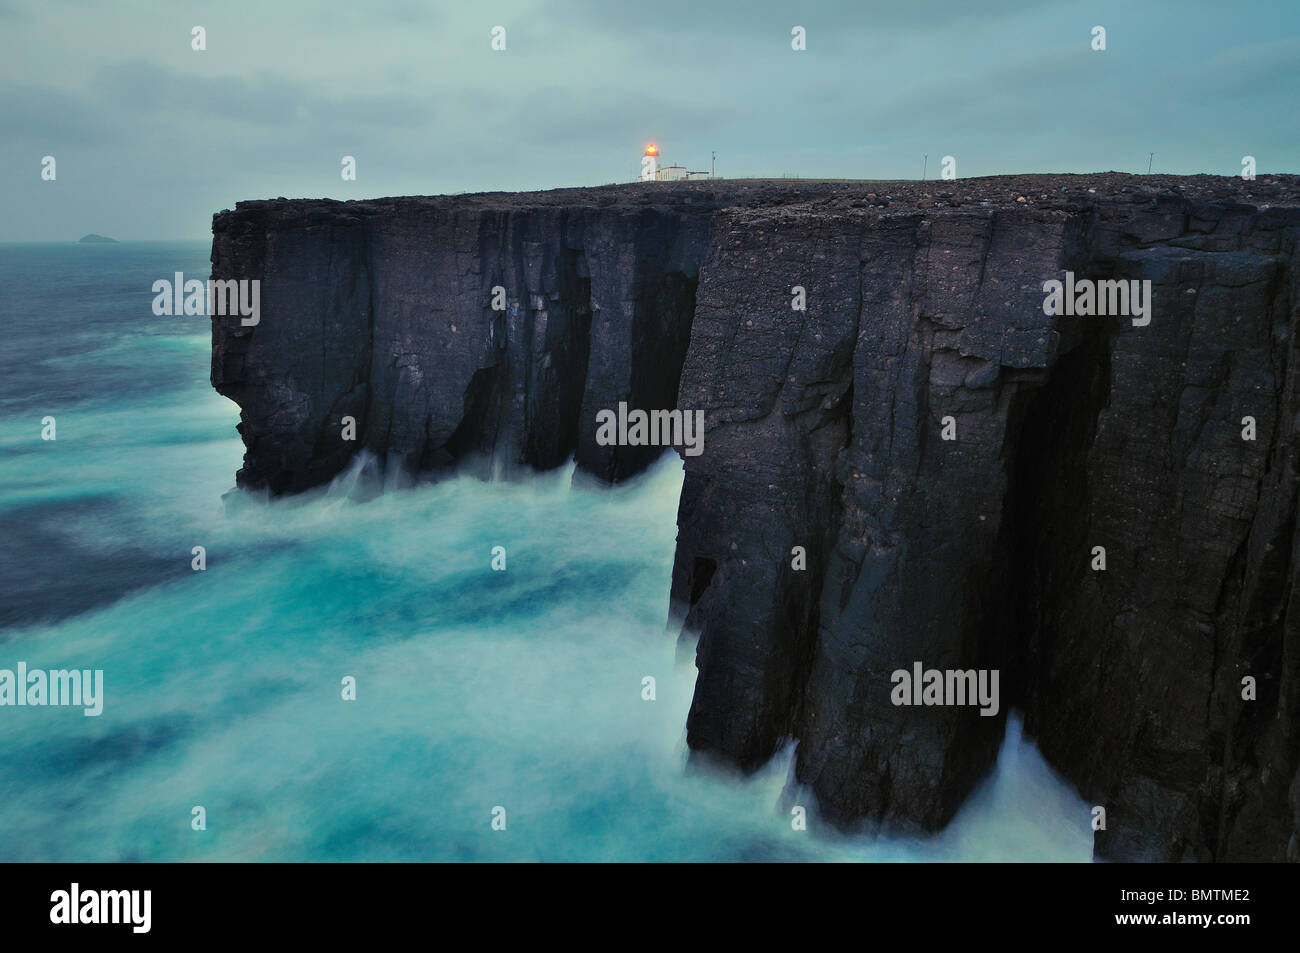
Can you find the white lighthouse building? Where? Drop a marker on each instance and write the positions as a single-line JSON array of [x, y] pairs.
[[652, 171], [650, 163]]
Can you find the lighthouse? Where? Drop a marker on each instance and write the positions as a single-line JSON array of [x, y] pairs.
[[653, 171], [650, 163]]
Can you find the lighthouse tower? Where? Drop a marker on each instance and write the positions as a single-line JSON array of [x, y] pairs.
[[650, 163]]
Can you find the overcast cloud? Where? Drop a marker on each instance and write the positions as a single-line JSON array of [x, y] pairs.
[[152, 137]]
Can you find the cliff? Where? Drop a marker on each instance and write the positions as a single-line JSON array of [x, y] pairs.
[[917, 467]]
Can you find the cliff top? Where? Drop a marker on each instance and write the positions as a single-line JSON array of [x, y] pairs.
[[1058, 191]]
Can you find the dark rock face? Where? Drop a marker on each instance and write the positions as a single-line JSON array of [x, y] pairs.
[[829, 533], [911, 320], [1136, 673], [382, 311]]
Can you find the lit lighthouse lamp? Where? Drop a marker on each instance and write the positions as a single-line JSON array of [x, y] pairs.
[[650, 163]]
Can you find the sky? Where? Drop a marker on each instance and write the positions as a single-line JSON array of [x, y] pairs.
[[151, 137]]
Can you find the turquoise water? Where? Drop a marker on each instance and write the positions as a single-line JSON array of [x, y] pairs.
[[475, 689]]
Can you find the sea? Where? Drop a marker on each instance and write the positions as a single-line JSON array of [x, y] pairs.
[[489, 715]]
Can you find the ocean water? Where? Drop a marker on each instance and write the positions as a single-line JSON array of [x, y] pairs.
[[474, 689]]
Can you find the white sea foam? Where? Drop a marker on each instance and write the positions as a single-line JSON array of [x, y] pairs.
[[474, 688]]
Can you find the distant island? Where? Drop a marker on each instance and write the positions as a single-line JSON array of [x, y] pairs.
[[93, 239]]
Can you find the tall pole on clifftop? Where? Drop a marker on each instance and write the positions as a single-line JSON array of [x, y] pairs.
[[925, 159], [1150, 158]]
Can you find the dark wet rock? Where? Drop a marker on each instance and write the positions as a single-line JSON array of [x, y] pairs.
[[824, 432]]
